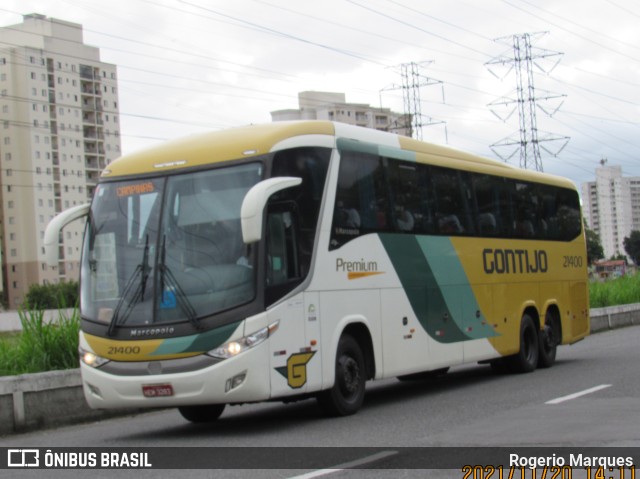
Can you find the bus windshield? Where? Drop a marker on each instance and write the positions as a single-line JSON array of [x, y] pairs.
[[168, 250]]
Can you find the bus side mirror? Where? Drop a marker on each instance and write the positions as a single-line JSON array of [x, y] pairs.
[[254, 202], [54, 227]]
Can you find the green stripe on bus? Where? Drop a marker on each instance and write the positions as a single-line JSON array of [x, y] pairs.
[[436, 286], [197, 342], [455, 286]]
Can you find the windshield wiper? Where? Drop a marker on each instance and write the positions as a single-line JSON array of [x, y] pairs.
[[166, 276], [141, 270]]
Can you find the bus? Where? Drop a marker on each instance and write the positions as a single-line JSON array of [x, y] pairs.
[[303, 259]]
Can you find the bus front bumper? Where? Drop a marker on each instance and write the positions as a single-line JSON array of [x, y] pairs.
[[243, 378]]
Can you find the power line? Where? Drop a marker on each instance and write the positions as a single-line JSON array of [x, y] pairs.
[[278, 75], [582, 37]]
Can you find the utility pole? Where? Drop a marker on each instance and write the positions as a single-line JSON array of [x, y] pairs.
[[523, 57], [412, 81]]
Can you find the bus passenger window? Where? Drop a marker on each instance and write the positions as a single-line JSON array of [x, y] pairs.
[[361, 200], [284, 270], [346, 216], [282, 256], [446, 214], [487, 225], [404, 219], [310, 164]]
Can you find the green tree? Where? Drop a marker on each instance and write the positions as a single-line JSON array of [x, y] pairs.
[[52, 296], [632, 246], [594, 246]]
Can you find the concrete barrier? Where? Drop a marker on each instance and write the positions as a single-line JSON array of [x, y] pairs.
[[10, 320], [613, 317], [37, 401], [43, 400]]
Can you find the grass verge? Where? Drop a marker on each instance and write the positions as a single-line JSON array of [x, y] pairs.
[[624, 290], [41, 346]]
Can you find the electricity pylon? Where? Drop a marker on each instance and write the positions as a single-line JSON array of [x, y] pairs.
[[412, 82], [523, 57]]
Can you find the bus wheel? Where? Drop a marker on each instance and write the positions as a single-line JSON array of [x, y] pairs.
[[548, 341], [199, 414], [526, 359], [347, 394]]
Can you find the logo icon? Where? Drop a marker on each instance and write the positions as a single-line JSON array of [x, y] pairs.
[[296, 369], [23, 458]]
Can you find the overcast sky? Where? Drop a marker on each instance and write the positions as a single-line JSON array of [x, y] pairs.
[[187, 66]]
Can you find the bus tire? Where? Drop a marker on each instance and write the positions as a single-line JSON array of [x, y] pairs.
[[347, 394], [201, 414], [548, 341], [526, 360]]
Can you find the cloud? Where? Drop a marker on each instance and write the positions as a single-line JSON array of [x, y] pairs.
[[188, 65]]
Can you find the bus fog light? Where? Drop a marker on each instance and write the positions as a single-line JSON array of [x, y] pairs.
[[235, 381], [95, 390]]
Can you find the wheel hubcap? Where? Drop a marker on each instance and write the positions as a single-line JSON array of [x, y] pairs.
[[350, 382]]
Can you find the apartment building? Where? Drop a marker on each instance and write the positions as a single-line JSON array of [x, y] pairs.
[[314, 105], [611, 206], [59, 127]]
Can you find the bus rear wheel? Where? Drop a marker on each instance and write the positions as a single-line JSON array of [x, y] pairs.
[[201, 414], [548, 340], [526, 359], [347, 394]]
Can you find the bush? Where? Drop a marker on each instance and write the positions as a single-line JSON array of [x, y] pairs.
[[624, 290], [52, 296], [40, 346]]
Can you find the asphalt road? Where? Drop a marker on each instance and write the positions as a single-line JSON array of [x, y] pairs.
[[591, 397]]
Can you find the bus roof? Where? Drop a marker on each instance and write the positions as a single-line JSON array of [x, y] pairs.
[[248, 141]]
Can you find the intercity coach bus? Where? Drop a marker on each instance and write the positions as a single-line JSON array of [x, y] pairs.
[[301, 259]]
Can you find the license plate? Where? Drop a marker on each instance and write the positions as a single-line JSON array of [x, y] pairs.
[[157, 390]]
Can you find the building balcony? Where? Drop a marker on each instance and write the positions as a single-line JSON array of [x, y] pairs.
[[92, 177]]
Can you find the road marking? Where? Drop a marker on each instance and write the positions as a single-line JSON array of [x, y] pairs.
[[578, 394], [346, 465]]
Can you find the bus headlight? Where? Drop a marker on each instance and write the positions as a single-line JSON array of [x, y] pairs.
[[237, 346], [91, 359]]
